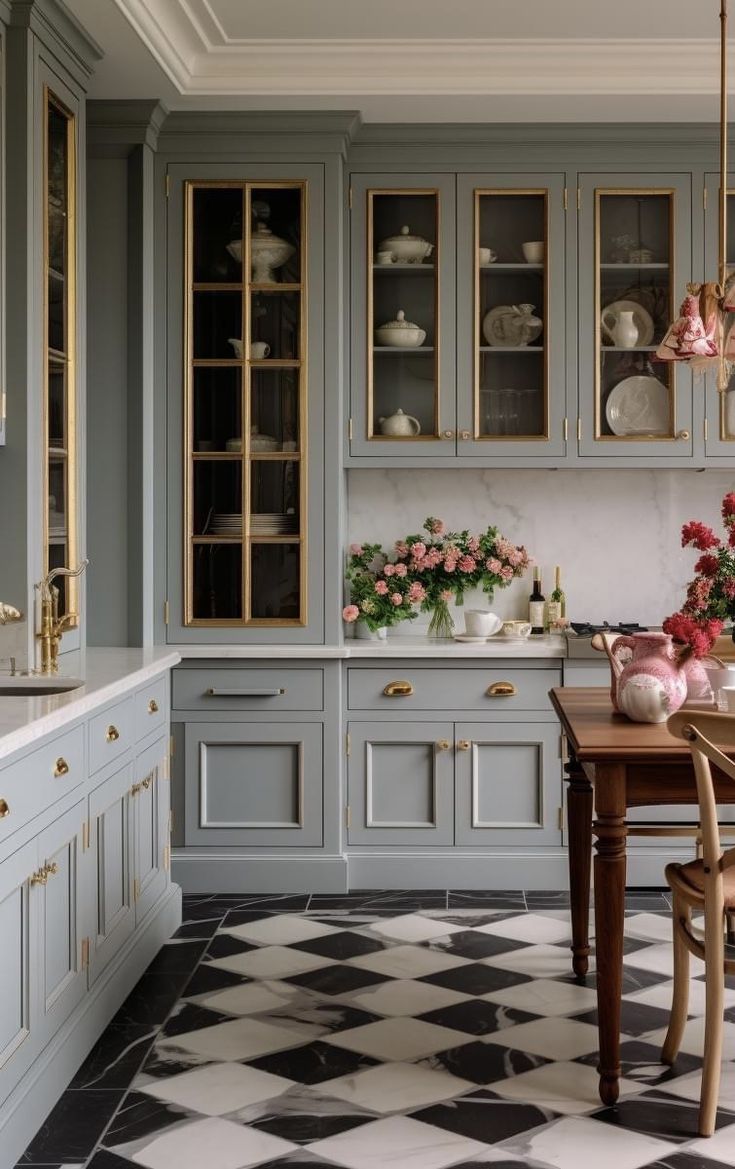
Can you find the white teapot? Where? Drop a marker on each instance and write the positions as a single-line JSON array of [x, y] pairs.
[[400, 425]]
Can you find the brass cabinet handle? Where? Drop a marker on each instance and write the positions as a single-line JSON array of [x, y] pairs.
[[153, 706], [51, 869], [4, 808], [465, 435], [464, 745], [112, 734], [443, 745], [146, 783], [40, 877], [501, 690], [399, 689], [135, 789], [447, 434], [682, 435], [61, 767]]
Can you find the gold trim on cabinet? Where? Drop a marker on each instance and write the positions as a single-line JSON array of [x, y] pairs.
[[84, 960]]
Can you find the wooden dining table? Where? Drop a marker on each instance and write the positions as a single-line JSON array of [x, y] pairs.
[[614, 765]]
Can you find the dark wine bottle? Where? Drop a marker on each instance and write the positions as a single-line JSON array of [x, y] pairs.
[[537, 604]]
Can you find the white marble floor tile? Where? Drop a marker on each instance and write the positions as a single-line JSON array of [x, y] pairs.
[[649, 927], [659, 959], [577, 1142], [565, 1087], [280, 930], [251, 998], [404, 996], [689, 1087], [720, 1147], [241, 1039], [412, 927], [397, 1143], [395, 1087], [270, 962], [693, 1039], [537, 961], [555, 1038], [660, 995], [216, 1143], [398, 1039], [530, 927], [407, 961], [545, 997], [218, 1088]]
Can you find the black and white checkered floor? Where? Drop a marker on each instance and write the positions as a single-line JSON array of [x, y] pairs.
[[413, 1031]]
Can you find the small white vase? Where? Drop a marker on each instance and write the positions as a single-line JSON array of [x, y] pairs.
[[364, 633], [621, 328]]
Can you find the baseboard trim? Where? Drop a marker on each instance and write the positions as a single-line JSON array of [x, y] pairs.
[[201, 872]]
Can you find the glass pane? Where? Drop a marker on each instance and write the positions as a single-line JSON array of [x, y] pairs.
[[275, 585], [217, 582], [217, 325], [274, 406], [217, 498], [57, 406], [217, 406], [217, 242], [275, 242], [512, 398], [406, 382], [635, 395], [57, 496], [58, 157], [276, 326], [274, 503]]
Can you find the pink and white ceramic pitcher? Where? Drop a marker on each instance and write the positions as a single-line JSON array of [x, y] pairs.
[[648, 683]]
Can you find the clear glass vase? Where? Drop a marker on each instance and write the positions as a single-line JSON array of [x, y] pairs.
[[441, 623]]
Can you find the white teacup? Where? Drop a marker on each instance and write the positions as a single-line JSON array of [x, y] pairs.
[[259, 350], [516, 629], [481, 623], [487, 255], [533, 251], [384, 258]]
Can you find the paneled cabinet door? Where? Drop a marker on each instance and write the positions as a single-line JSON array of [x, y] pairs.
[[511, 384], [635, 257], [110, 813], [720, 425], [400, 783], [254, 784], [150, 790], [17, 959], [402, 250], [60, 972], [508, 783]]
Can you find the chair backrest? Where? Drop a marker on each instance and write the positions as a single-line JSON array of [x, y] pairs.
[[698, 729]]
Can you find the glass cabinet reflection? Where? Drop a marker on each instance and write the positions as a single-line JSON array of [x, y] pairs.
[[246, 403]]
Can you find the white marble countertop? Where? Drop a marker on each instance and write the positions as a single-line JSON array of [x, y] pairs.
[[107, 673], [395, 646]]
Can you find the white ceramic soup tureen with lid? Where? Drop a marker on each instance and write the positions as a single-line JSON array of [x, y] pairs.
[[406, 248], [400, 333]]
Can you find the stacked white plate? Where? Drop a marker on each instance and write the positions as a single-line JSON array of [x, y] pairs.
[[273, 524], [226, 524]]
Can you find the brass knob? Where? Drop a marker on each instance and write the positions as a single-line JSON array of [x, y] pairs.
[[135, 789], [40, 877], [443, 745], [147, 782], [4, 808], [682, 435], [447, 434], [464, 745], [153, 706], [501, 690], [399, 689], [61, 767], [465, 435], [51, 869], [112, 734]]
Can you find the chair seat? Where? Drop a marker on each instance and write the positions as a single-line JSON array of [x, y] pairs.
[[688, 879]]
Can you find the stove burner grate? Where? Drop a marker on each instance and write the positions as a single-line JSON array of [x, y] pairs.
[[585, 629]]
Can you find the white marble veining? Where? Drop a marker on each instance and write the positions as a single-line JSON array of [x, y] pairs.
[[615, 533], [396, 645], [107, 673]]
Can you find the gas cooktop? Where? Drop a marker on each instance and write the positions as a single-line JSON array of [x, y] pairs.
[[585, 629]]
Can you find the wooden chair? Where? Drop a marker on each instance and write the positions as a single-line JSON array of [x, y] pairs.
[[708, 885]]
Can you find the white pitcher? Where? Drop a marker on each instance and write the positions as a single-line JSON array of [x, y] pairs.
[[620, 327]]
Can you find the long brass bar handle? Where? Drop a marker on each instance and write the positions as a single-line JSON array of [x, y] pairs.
[[219, 692], [398, 689], [501, 690], [61, 767], [4, 808], [153, 706], [112, 734]]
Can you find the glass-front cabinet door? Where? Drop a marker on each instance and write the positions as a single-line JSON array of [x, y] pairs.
[[510, 300], [719, 428], [634, 261], [403, 281], [246, 399]]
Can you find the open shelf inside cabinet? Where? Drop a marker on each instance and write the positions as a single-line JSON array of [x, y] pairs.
[[246, 404]]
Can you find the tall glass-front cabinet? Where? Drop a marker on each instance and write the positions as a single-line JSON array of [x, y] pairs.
[[245, 394]]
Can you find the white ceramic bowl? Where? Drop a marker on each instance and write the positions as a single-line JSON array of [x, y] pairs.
[[533, 251]]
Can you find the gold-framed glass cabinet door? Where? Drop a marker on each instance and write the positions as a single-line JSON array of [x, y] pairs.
[[635, 257], [60, 504], [719, 427], [402, 246], [246, 373], [511, 388]]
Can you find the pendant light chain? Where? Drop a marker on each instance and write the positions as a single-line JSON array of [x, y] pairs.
[[723, 145]]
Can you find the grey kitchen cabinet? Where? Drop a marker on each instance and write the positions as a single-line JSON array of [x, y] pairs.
[[400, 783], [151, 816], [111, 819], [17, 959], [258, 784]]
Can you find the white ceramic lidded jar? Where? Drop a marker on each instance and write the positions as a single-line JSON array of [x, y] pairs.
[[267, 252], [400, 333], [406, 248]]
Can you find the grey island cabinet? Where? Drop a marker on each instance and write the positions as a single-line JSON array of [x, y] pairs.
[[86, 897]]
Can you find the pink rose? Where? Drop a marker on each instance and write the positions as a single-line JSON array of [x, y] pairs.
[[355, 549], [381, 587], [445, 595], [350, 613], [397, 599], [473, 544], [400, 570], [416, 592], [401, 548], [389, 570], [437, 527], [418, 550], [467, 564], [493, 565], [506, 572]]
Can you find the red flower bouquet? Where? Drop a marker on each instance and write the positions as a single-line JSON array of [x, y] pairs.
[[710, 599]]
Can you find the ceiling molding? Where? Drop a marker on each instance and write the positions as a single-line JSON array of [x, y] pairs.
[[189, 43]]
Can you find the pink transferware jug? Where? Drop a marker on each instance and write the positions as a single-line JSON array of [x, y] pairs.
[[648, 682]]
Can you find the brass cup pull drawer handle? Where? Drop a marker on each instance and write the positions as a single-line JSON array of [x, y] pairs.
[[112, 734], [443, 745], [501, 690], [217, 692], [61, 767], [153, 706], [398, 690], [4, 808], [464, 745]]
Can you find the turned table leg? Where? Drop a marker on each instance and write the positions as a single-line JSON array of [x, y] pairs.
[[610, 831], [579, 824]]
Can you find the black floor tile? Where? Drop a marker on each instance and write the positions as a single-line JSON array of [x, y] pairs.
[[336, 979], [116, 1057], [141, 1116], [72, 1129], [481, 1116], [483, 1063], [398, 901], [150, 1000], [190, 1017], [679, 1161], [475, 978], [471, 944], [198, 929], [477, 1017], [488, 899], [178, 957], [208, 979], [636, 1018], [314, 1063], [669, 1118], [104, 1159], [341, 946]]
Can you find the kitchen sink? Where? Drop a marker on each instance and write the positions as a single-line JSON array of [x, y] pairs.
[[28, 685]]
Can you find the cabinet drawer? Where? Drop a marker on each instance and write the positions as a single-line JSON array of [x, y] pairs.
[[151, 707], [490, 689], [111, 734], [237, 689], [30, 786]]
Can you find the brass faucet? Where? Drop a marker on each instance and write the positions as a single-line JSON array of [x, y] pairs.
[[52, 626]]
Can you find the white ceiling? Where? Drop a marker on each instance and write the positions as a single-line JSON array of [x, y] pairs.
[[415, 60]]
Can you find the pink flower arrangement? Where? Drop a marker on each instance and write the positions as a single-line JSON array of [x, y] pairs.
[[710, 596]]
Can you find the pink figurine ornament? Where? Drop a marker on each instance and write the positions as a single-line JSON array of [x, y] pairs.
[[690, 335]]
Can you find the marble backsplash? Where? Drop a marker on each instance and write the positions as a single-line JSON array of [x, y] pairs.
[[615, 533]]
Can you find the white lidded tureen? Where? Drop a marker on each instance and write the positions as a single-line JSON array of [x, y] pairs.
[[267, 252], [406, 248], [400, 333], [400, 425]]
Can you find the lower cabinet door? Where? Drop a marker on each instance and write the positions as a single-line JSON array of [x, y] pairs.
[[60, 971], [110, 814], [400, 783], [254, 783], [150, 791], [508, 783], [17, 961]]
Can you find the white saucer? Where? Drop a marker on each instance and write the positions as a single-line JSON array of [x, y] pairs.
[[469, 638]]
